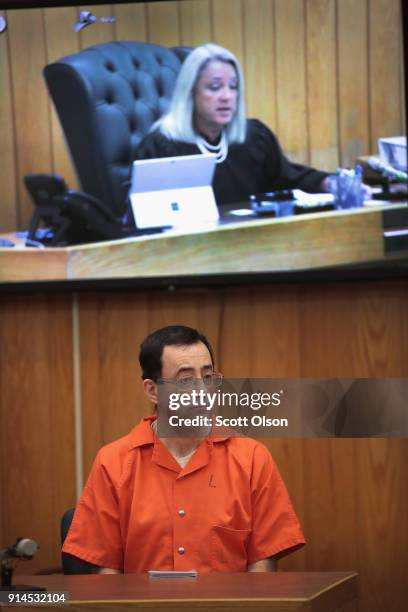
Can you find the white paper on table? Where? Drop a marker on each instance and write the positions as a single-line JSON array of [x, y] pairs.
[[312, 199]]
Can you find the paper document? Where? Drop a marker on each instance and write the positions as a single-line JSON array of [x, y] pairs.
[[168, 574], [312, 199]]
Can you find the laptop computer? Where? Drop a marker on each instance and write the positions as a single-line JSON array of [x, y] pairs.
[[173, 192]]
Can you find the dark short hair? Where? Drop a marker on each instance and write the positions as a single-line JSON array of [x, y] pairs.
[[151, 349]]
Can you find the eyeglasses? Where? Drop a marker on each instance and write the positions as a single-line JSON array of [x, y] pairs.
[[188, 382]]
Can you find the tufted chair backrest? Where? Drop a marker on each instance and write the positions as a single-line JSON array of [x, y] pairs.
[[107, 97]]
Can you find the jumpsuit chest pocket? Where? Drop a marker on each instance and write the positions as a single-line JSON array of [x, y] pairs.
[[229, 549]]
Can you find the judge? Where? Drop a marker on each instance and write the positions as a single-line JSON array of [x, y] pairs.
[[207, 114]]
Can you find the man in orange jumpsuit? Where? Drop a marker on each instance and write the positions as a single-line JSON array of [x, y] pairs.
[[210, 504]]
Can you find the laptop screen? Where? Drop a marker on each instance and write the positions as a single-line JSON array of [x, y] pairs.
[[172, 173], [173, 191]]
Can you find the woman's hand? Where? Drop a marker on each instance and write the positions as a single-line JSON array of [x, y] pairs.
[[325, 187]]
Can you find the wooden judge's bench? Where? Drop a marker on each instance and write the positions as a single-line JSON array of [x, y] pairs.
[[301, 244]]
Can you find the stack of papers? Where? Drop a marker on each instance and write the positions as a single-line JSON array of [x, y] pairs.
[[187, 574]]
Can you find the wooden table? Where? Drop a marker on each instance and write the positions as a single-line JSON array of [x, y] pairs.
[[260, 246], [255, 592]]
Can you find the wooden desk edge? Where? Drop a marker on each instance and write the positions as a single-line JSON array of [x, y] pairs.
[[242, 224], [333, 597], [116, 259], [353, 575], [346, 579]]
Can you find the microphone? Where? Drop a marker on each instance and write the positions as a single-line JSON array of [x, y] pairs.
[[386, 169], [86, 18], [24, 548]]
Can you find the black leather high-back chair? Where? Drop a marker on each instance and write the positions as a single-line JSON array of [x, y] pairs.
[[107, 97]]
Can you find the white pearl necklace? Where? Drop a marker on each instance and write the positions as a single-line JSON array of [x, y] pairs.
[[220, 150]]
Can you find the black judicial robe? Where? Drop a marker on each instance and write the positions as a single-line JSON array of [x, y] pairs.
[[256, 166]]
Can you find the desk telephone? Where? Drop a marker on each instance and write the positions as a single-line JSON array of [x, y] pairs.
[[71, 217]]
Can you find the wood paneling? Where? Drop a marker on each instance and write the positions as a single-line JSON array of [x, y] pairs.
[[355, 340], [163, 23], [260, 333], [380, 320], [382, 537], [384, 69], [352, 74], [403, 75], [37, 446], [228, 26], [8, 208], [31, 116], [110, 377], [326, 75], [130, 22], [195, 23], [321, 83], [61, 39], [260, 60], [331, 508], [291, 79]]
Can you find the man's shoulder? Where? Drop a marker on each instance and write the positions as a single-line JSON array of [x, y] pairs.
[[117, 450], [121, 446], [249, 450]]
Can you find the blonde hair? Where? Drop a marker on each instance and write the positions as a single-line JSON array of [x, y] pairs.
[[177, 124]]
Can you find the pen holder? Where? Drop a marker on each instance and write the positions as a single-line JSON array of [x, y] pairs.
[[346, 187]]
